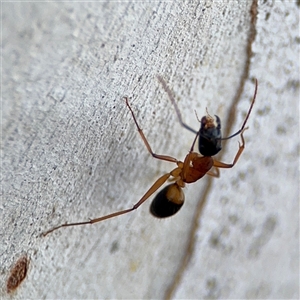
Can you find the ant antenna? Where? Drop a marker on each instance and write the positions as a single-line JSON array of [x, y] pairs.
[[243, 126]]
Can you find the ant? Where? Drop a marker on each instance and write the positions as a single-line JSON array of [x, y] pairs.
[[171, 198]]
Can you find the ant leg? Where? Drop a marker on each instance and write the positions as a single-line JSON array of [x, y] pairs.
[[157, 184], [168, 91], [215, 172], [220, 164], [158, 156]]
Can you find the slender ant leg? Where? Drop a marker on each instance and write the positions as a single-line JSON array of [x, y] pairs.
[[219, 164], [158, 156], [167, 89], [157, 184]]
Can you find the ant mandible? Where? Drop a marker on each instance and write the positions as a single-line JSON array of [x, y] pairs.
[[171, 198]]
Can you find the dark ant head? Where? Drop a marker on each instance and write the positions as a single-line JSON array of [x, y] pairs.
[[210, 136]]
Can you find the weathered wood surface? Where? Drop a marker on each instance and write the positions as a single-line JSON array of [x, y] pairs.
[[70, 150]]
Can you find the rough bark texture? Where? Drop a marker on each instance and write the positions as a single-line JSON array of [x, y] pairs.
[[70, 149]]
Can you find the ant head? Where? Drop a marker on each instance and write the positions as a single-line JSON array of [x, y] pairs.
[[210, 135]]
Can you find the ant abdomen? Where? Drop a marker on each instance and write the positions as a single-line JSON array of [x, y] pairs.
[[168, 201]]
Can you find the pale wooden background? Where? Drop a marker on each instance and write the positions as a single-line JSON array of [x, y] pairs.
[[70, 150]]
